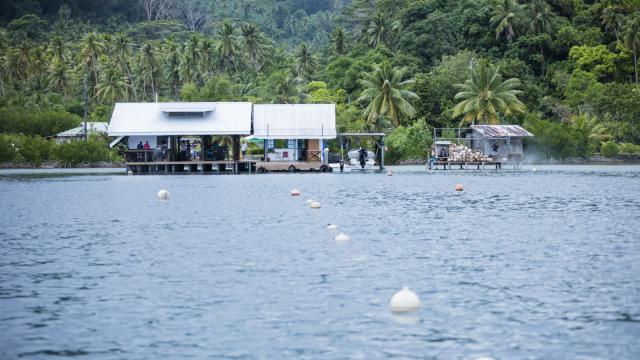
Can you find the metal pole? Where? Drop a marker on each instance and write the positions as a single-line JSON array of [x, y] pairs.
[[382, 153], [84, 106]]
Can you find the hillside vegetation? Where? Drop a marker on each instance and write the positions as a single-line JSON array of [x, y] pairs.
[[565, 69]]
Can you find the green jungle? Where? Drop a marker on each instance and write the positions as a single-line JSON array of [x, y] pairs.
[[566, 70]]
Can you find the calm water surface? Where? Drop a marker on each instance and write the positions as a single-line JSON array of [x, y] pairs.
[[521, 265]]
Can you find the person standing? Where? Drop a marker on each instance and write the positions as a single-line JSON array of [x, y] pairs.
[[244, 150]]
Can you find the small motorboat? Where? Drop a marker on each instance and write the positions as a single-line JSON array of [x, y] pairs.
[[362, 159], [340, 167]]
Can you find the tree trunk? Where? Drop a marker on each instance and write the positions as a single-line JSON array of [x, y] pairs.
[[542, 59], [635, 65]]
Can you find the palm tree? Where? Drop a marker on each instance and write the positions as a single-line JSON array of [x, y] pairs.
[[122, 50], [485, 94], [228, 47], [21, 61], [172, 65], [255, 44], [612, 19], [57, 49], [306, 62], [113, 85], [339, 41], [91, 50], [58, 78], [190, 61], [542, 22], [378, 30], [4, 73], [149, 66], [385, 95], [631, 38], [507, 17], [38, 68], [207, 51], [287, 90]]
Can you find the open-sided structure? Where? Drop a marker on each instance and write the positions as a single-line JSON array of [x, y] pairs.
[[161, 136], [305, 127]]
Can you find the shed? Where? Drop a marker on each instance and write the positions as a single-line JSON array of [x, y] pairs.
[[77, 133], [501, 141]]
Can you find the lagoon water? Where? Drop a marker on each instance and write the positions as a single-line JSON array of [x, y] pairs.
[[520, 265]]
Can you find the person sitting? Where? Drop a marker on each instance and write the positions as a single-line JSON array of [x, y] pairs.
[[443, 153], [140, 146], [146, 145]]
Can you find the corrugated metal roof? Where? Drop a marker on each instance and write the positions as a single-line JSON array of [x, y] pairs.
[[226, 118], [496, 131], [294, 121], [79, 131]]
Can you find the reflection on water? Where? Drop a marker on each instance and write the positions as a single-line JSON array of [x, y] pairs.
[[521, 264]]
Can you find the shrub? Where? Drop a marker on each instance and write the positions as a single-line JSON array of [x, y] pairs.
[[33, 149], [7, 149], [410, 142], [629, 149], [610, 149], [43, 123], [94, 150]]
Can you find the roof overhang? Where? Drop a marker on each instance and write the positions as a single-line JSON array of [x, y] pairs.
[[154, 119]]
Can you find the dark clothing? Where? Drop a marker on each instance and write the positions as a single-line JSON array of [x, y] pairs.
[[140, 146]]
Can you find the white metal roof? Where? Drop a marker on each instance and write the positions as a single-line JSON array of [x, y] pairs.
[[497, 131], [294, 121], [205, 118], [79, 131]]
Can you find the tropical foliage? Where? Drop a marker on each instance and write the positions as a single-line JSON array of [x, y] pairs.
[[389, 65]]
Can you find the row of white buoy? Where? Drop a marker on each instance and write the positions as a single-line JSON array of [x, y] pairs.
[[402, 301]]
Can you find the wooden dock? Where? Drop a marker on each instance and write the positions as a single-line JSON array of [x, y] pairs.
[[448, 165], [192, 167], [291, 166], [223, 166]]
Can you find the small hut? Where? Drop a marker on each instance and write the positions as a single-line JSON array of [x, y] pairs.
[[498, 141], [77, 133]]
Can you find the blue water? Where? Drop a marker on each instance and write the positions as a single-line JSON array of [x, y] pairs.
[[520, 265]]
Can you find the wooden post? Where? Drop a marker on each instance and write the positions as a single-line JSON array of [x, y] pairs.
[[236, 147]]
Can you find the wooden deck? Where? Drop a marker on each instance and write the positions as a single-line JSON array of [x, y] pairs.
[[291, 166], [188, 167], [448, 165]]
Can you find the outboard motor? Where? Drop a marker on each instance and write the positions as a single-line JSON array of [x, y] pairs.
[[362, 157]]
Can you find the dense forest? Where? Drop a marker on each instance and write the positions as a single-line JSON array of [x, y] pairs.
[[564, 69]]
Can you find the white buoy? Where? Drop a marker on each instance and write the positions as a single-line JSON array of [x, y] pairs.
[[309, 201], [405, 300], [390, 173], [332, 226], [163, 194], [534, 169], [314, 205], [459, 187], [129, 172], [342, 237], [484, 358], [295, 192]]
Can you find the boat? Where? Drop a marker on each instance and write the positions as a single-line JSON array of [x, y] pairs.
[[362, 159], [337, 168]]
